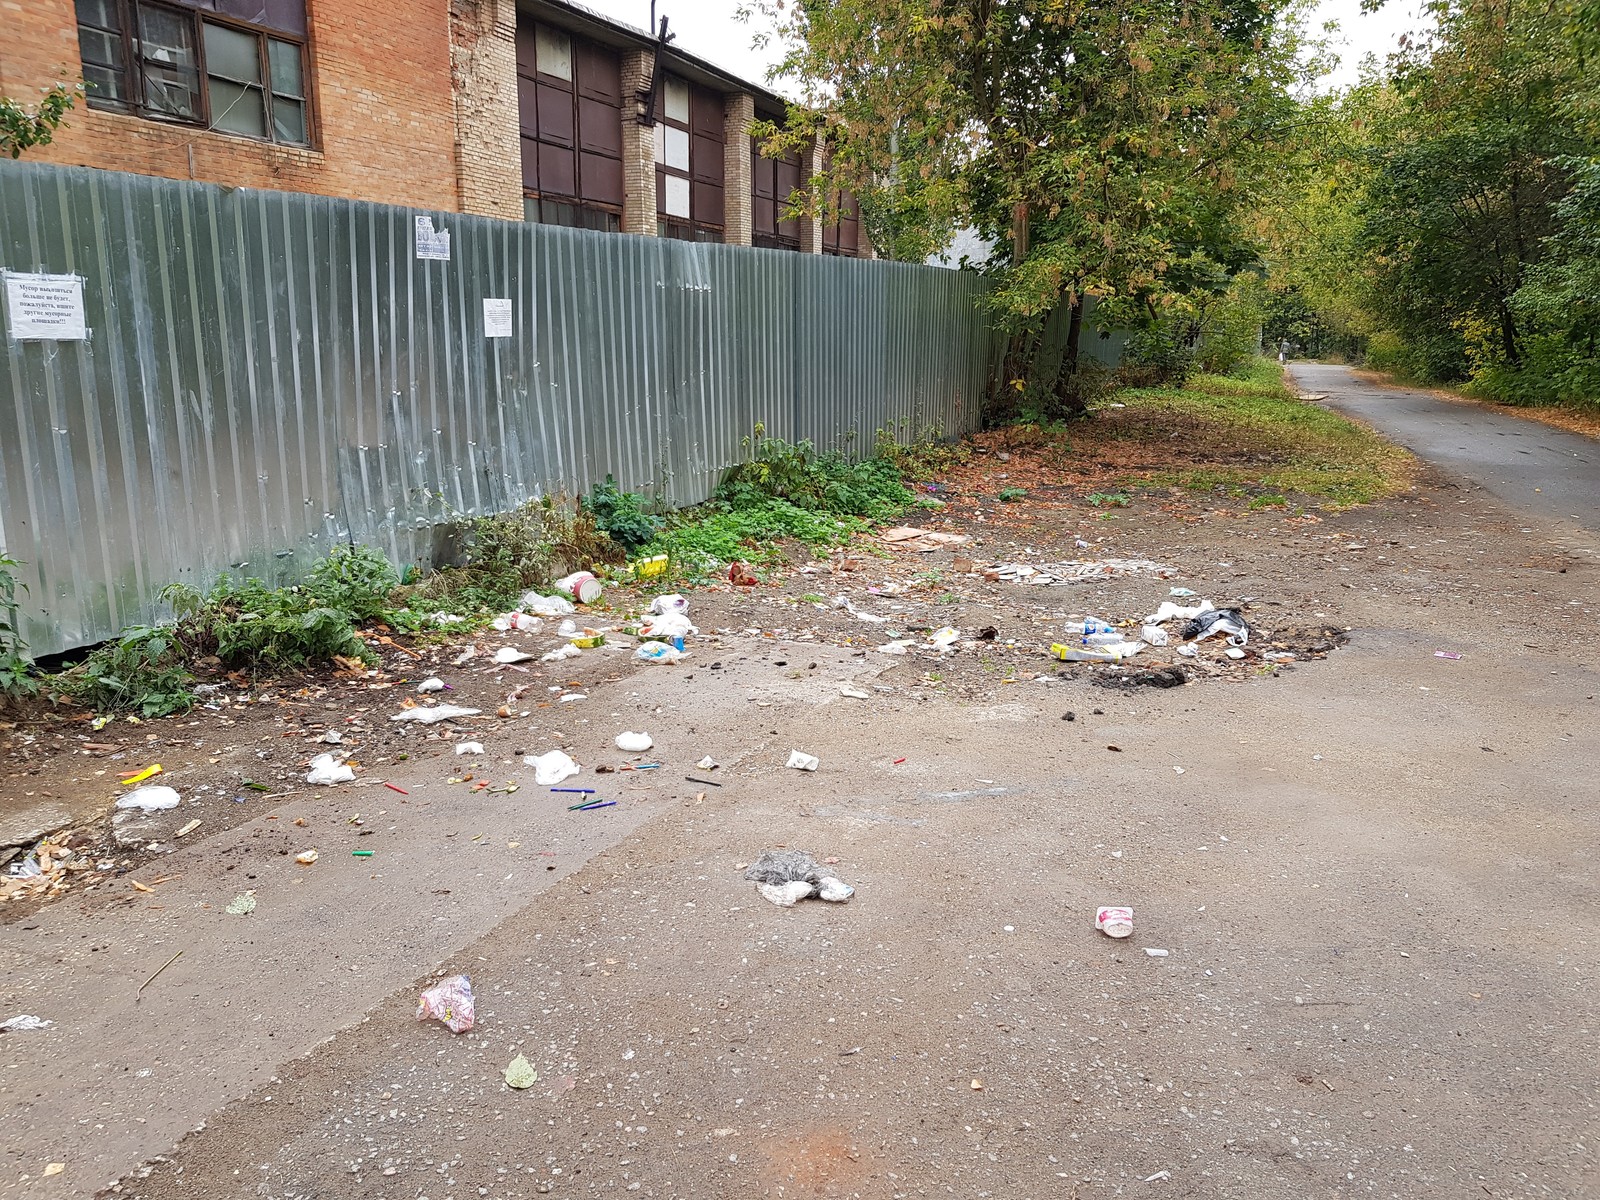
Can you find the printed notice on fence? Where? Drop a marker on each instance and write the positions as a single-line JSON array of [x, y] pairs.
[[432, 243], [496, 318], [45, 308]]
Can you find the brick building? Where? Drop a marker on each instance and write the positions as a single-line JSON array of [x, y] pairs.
[[537, 110]]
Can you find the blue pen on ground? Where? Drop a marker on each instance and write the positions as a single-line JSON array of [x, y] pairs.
[[575, 791], [601, 804]]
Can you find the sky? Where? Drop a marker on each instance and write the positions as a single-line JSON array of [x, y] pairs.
[[710, 30]]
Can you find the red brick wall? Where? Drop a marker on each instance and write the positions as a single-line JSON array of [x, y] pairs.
[[384, 113]]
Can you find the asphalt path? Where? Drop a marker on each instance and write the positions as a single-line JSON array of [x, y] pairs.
[[1532, 467]]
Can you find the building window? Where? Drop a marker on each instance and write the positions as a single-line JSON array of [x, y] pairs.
[[689, 161], [843, 236], [773, 183], [569, 112], [236, 66]]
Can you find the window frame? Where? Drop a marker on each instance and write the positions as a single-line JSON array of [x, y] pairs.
[[135, 104]]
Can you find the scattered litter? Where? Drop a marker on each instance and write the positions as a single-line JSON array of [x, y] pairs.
[[898, 647], [911, 538], [854, 693], [1114, 922], [944, 639], [571, 697], [1189, 651], [1153, 635], [740, 575], [24, 1023], [1170, 611], [361, 854], [592, 805], [242, 905], [1158, 1177], [1154, 953], [306, 857], [431, 684], [394, 787], [507, 655], [844, 603], [567, 651], [802, 761], [787, 876], [586, 639], [707, 764], [667, 626], [449, 1001], [706, 782], [659, 652], [1182, 591], [670, 603], [469, 747], [1234, 652], [1177, 770], [1446, 654], [977, 1085], [466, 656], [520, 1073], [188, 828], [550, 769], [520, 621], [546, 606], [581, 586], [134, 777], [439, 712], [1061, 574], [1113, 653], [150, 799], [53, 1168], [331, 737], [326, 769], [634, 743]]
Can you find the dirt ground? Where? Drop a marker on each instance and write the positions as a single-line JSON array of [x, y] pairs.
[[1371, 868]]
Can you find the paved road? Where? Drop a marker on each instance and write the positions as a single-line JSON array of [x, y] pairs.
[[1536, 469]]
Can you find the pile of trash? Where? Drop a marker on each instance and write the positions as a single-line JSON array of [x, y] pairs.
[[787, 876], [1061, 574], [1090, 639]]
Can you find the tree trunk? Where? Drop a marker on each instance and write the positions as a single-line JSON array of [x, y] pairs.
[[1074, 336], [1508, 337]]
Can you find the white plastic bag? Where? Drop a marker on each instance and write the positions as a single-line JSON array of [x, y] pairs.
[[670, 625], [510, 654], [634, 743], [547, 606], [567, 651], [326, 769], [469, 747], [432, 716], [150, 799], [550, 769], [801, 761], [672, 603], [432, 684], [659, 652]]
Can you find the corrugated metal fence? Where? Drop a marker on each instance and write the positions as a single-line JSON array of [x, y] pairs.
[[268, 374]]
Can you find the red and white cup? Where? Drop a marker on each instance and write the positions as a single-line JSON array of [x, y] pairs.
[[1114, 921]]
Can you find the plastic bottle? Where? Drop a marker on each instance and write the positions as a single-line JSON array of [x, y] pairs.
[[1091, 631]]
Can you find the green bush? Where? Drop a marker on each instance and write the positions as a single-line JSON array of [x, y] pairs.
[[620, 515], [1157, 355], [16, 671], [824, 481], [353, 579], [145, 671]]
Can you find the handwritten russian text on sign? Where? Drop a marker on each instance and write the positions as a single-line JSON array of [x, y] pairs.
[[45, 307], [497, 318], [432, 243]]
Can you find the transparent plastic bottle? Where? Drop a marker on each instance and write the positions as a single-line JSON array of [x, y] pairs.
[[1091, 631]]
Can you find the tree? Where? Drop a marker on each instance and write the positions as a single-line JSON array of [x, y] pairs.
[[23, 128], [1112, 143]]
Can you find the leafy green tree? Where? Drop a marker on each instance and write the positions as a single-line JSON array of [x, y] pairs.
[[1113, 144], [22, 128]]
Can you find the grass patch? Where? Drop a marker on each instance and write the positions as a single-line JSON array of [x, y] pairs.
[[1248, 437]]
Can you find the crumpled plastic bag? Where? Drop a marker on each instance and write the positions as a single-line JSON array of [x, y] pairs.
[[668, 625], [787, 876], [507, 655], [550, 769], [567, 651], [547, 606], [327, 769], [1169, 610], [449, 1001], [432, 716], [660, 652], [150, 799], [519, 621], [801, 761], [672, 603], [1219, 620]]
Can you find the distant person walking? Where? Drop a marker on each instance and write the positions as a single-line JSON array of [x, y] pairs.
[[1283, 350]]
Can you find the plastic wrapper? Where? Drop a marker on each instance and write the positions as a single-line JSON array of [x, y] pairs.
[[150, 799], [671, 603], [326, 769], [450, 1002], [660, 652]]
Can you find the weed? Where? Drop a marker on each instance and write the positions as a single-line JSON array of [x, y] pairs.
[[1108, 499], [1007, 495], [699, 540], [145, 671], [621, 515], [947, 598], [821, 480], [16, 671], [354, 579], [813, 598]]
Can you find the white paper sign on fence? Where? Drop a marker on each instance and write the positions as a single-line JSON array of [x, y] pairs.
[[496, 318], [432, 243], [45, 307]]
